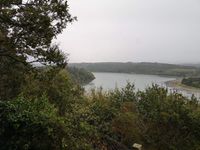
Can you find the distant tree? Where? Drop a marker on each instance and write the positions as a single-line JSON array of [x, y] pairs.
[[193, 82], [81, 75]]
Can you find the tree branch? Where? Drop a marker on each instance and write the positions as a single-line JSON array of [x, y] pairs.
[[14, 58]]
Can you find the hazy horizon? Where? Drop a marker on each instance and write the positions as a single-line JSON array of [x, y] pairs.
[[164, 31], [192, 64]]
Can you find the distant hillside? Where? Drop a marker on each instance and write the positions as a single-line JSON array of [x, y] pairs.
[[80, 75], [193, 82], [140, 68], [193, 65]]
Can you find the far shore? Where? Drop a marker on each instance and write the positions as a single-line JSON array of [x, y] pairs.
[[177, 84]]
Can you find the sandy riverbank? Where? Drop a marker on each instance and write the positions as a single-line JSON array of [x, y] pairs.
[[178, 85]]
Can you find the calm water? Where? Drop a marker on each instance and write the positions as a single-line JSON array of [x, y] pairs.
[[109, 81], [112, 80]]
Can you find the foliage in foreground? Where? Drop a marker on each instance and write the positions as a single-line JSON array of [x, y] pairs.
[[30, 125], [66, 118]]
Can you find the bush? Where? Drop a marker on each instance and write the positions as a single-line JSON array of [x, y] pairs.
[[32, 124]]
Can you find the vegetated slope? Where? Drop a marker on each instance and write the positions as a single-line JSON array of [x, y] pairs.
[[140, 68], [193, 82], [80, 75], [192, 64]]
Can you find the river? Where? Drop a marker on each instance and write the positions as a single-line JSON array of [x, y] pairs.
[[109, 81]]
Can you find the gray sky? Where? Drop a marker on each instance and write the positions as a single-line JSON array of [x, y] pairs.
[[133, 30]]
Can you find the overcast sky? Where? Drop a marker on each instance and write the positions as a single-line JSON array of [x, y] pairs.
[[133, 30]]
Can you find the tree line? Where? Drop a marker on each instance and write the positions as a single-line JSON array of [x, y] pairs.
[[141, 68], [81, 75], [193, 82]]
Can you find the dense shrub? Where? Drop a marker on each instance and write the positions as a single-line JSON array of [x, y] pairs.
[[30, 125]]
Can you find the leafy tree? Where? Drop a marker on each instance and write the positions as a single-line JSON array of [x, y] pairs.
[[32, 124], [126, 126], [104, 114], [56, 84], [11, 78], [28, 27], [167, 120]]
